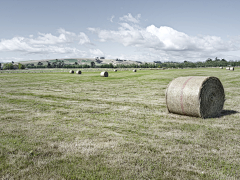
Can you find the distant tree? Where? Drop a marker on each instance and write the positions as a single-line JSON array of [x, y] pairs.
[[92, 64], [111, 65], [54, 64], [209, 60], [21, 66], [39, 63], [7, 66], [60, 64], [49, 64], [86, 66]]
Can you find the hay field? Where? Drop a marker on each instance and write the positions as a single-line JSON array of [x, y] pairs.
[[56, 125]]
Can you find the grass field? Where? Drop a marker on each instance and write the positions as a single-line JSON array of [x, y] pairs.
[[56, 125]]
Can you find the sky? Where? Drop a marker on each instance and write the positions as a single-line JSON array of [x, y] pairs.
[[139, 30]]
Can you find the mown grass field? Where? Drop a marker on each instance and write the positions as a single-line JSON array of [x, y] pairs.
[[58, 125]]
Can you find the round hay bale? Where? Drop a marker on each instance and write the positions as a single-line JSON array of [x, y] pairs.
[[78, 72], [104, 74], [198, 96], [115, 70], [134, 70], [227, 68], [231, 68], [71, 71], [220, 67]]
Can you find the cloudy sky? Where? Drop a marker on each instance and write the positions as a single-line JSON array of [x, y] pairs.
[[153, 30]]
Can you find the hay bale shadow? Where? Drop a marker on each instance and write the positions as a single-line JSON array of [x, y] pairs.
[[227, 112]]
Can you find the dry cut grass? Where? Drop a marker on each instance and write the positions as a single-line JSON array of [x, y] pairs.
[[58, 125]]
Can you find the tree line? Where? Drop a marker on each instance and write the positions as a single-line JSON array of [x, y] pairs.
[[12, 66], [157, 64]]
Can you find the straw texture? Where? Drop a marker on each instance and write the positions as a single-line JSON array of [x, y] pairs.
[[104, 74], [198, 96]]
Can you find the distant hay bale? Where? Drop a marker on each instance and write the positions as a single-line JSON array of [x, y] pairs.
[[227, 68], [221, 67], [78, 72], [104, 74], [134, 70], [115, 70], [71, 71], [198, 96], [231, 68]]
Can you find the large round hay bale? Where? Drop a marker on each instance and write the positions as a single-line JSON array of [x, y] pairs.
[[71, 71], [220, 67], [78, 72], [227, 68], [134, 70], [115, 70], [104, 74], [198, 96], [231, 68]]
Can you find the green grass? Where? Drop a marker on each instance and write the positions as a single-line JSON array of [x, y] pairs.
[[56, 125]]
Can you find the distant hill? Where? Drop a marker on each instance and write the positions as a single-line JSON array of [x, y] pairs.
[[83, 61]]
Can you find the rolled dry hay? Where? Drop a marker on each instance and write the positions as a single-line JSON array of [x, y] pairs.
[[115, 70], [198, 96], [231, 68], [134, 70], [220, 67], [71, 71], [78, 72], [104, 74], [227, 68]]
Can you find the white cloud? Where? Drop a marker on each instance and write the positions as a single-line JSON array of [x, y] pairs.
[[111, 19], [49, 39], [83, 38], [166, 41], [45, 43], [178, 41], [96, 52], [15, 44], [63, 31], [130, 18], [128, 36], [162, 38]]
